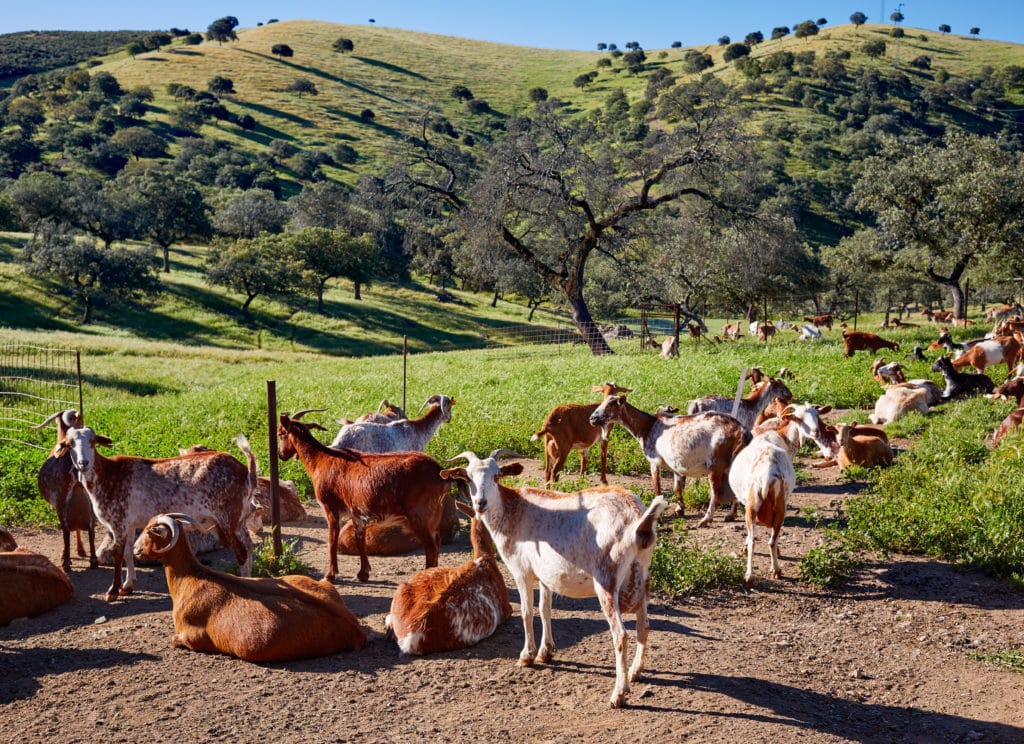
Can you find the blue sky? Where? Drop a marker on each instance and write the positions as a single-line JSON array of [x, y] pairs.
[[557, 24]]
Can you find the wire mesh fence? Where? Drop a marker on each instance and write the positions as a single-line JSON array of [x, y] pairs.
[[35, 382]]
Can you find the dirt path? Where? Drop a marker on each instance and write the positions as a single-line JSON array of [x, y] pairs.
[[887, 658]]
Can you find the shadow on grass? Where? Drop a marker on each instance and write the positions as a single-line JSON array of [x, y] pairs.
[[317, 72], [391, 67], [268, 111]]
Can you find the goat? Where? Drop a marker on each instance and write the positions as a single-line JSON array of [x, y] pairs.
[[750, 407], [386, 413], [695, 331], [891, 372], [442, 609], [998, 312], [765, 332], [820, 320], [897, 401], [762, 477], [59, 485], [990, 352], [731, 331], [669, 348], [858, 446], [595, 542], [917, 355], [961, 384], [1009, 424], [933, 391], [7, 541], [393, 536], [1012, 388], [692, 445], [405, 435], [567, 427], [367, 486], [809, 333], [29, 583], [291, 508], [255, 619], [126, 491], [854, 341]]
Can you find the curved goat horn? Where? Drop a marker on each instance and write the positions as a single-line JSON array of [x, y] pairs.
[[299, 414], [168, 520], [467, 455]]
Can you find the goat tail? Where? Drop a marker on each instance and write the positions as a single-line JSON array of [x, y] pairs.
[[644, 530], [538, 434], [243, 444]]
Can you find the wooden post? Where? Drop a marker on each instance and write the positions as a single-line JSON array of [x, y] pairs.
[[675, 323], [78, 367], [275, 493], [856, 307], [405, 363]]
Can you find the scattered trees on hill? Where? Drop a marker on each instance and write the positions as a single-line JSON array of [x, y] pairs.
[[735, 51], [896, 17], [220, 85], [282, 50], [874, 48], [327, 254], [858, 19], [461, 93], [805, 29], [723, 40], [343, 45], [250, 213], [975, 30], [92, 275], [254, 266], [944, 28]]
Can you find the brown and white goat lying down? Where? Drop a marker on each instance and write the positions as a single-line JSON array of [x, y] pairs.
[[255, 619], [593, 542], [442, 608]]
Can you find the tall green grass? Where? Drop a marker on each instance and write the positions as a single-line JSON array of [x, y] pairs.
[[950, 496]]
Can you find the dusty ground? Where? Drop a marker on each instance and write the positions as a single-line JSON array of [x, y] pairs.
[[885, 659]]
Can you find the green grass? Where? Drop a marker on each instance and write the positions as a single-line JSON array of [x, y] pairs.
[[265, 563], [1007, 658], [680, 567]]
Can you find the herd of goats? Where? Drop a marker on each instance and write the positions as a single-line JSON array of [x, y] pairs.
[[382, 494]]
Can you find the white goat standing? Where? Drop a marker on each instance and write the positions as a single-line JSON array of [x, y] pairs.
[[594, 542], [403, 435]]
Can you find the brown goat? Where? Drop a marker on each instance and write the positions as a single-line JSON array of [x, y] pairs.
[[1009, 424], [59, 485], [820, 320], [30, 584], [258, 620], [567, 428], [862, 446], [990, 352], [442, 609], [1012, 388], [368, 486], [863, 341]]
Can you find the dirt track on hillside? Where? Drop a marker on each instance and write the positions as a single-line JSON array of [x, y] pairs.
[[885, 658]]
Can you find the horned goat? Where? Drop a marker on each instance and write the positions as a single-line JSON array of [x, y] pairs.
[[255, 619], [367, 486], [750, 407], [594, 542], [568, 427], [127, 491], [404, 435], [693, 445]]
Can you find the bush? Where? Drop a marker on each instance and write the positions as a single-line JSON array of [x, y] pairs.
[[265, 563], [735, 51], [681, 568], [875, 48], [282, 50]]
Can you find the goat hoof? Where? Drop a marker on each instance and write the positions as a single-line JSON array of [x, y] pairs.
[[93, 563], [703, 523], [729, 518], [526, 661], [66, 567], [617, 700], [777, 574], [111, 596], [126, 590], [363, 577], [544, 657], [748, 582]]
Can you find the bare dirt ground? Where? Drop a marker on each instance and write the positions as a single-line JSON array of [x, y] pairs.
[[886, 658]]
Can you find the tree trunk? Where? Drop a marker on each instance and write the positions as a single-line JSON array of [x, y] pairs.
[[167, 258], [320, 298], [357, 290], [494, 299], [87, 314], [533, 308], [248, 301]]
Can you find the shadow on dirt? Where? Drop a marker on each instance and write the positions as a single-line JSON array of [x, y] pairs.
[[803, 710], [24, 667]]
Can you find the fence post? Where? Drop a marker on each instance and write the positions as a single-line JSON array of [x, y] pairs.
[[275, 494], [405, 362]]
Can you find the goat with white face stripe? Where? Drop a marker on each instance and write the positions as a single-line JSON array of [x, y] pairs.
[[594, 542]]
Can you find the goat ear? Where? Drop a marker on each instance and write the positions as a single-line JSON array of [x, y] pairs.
[[314, 427], [824, 409], [454, 474], [513, 468], [466, 509], [104, 441]]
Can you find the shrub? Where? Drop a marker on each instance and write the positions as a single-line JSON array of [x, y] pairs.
[[735, 51], [679, 567], [265, 563]]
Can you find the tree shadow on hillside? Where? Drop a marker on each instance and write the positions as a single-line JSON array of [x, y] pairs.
[[804, 711], [317, 72], [268, 111], [391, 67], [372, 123]]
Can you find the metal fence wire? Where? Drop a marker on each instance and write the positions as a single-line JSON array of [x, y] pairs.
[[36, 382]]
